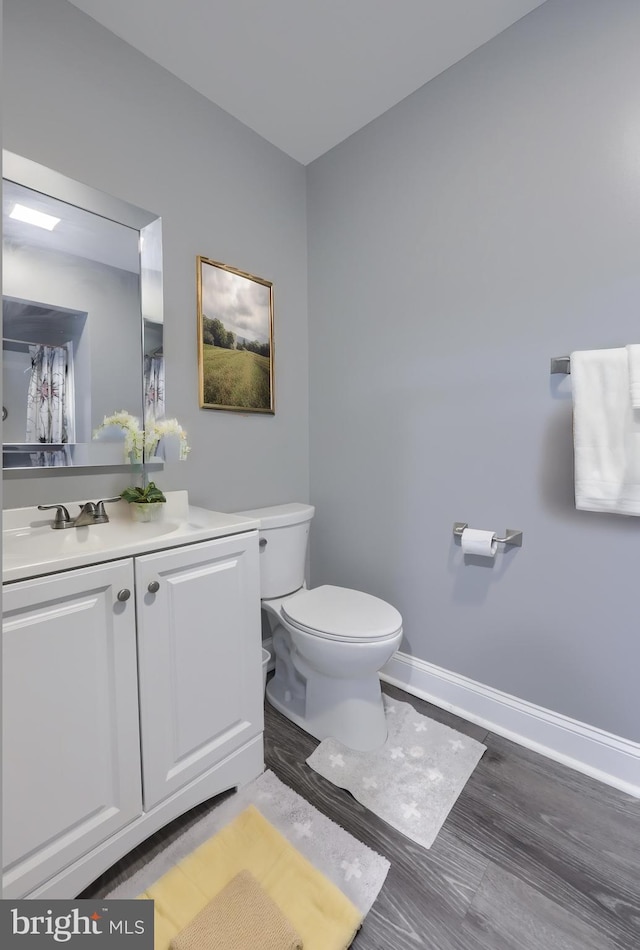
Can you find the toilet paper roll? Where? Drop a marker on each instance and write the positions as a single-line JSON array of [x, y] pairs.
[[479, 542]]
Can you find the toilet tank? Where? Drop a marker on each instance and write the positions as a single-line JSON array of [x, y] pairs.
[[284, 536]]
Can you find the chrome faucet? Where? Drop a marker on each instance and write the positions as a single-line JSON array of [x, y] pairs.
[[91, 512], [89, 515]]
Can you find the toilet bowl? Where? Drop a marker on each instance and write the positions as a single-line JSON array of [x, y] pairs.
[[329, 642]]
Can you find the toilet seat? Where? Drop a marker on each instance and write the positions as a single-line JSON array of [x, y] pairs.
[[338, 613]]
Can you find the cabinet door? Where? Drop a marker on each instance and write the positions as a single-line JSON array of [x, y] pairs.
[[199, 659], [71, 748]]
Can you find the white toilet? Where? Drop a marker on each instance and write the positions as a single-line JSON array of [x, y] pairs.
[[329, 642]]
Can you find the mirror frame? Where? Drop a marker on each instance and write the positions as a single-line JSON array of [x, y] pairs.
[[24, 171]]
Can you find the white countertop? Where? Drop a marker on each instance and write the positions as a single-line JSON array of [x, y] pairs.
[[31, 547]]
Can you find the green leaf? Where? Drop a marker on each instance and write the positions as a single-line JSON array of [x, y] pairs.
[[148, 495]]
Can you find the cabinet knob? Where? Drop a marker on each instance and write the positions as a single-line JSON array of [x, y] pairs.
[[153, 587], [124, 594]]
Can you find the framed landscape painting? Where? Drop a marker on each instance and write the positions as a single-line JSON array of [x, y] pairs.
[[235, 339]]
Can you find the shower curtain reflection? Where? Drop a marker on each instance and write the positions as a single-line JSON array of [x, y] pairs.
[[50, 458], [48, 396], [153, 388]]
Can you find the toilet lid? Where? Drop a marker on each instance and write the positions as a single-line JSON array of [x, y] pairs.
[[338, 613]]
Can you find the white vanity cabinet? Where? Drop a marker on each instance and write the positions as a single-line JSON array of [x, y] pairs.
[[198, 655], [122, 712], [71, 749]]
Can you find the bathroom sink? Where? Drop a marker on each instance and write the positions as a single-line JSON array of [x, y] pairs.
[[32, 548], [41, 542]]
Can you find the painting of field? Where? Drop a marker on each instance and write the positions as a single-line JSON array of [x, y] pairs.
[[235, 339], [237, 378]]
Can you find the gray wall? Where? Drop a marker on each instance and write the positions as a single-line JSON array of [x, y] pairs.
[[485, 224], [16, 372], [81, 101]]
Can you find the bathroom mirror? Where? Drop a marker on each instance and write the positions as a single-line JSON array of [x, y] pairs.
[[82, 319]]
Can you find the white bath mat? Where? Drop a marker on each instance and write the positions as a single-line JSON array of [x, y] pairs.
[[413, 780], [353, 867]]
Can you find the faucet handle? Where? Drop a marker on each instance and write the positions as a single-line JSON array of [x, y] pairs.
[[61, 519], [100, 512]]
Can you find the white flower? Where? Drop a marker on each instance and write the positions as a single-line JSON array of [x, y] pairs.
[[336, 760], [141, 443], [157, 429], [122, 418], [133, 434]]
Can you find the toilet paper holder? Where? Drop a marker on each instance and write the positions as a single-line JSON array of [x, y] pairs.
[[512, 536]]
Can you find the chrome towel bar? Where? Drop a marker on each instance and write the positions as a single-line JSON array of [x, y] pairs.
[[560, 364]]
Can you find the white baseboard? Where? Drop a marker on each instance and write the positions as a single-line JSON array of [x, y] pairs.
[[603, 756]]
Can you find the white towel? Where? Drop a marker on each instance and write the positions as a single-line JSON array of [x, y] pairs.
[[633, 355], [606, 433]]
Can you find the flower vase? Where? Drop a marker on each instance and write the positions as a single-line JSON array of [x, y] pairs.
[[147, 511]]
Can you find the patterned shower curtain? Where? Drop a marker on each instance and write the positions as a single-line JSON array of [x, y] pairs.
[[153, 388], [47, 408], [50, 459]]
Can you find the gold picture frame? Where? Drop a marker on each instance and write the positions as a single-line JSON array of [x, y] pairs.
[[235, 339]]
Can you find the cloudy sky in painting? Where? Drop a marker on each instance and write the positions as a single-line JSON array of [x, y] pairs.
[[240, 304]]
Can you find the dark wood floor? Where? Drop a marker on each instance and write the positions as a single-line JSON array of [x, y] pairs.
[[533, 856]]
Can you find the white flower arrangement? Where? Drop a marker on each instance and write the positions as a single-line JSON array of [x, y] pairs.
[[157, 429], [141, 443]]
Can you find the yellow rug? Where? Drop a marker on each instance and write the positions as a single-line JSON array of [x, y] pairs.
[[319, 912]]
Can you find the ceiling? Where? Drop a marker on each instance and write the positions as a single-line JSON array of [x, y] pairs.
[[306, 74]]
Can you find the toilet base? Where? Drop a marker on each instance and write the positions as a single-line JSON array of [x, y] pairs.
[[350, 711]]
